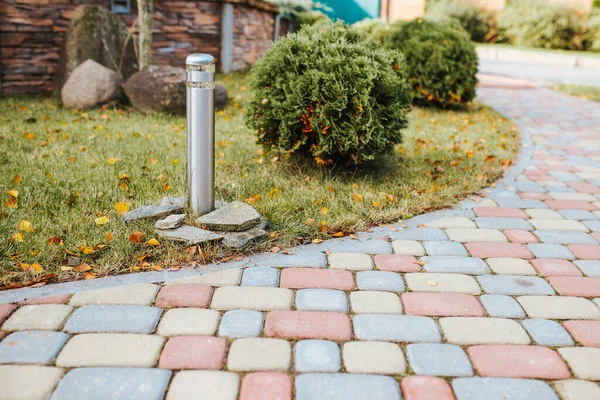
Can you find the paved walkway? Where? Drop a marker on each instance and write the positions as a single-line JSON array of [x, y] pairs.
[[496, 299]]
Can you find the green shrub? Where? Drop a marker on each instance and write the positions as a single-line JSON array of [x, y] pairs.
[[477, 21], [592, 37], [441, 59], [368, 25], [536, 23], [312, 18], [329, 92]]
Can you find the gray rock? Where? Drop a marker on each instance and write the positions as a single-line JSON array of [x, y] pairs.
[[89, 85], [238, 240], [170, 222], [171, 201], [153, 211], [233, 217], [190, 235], [157, 89]]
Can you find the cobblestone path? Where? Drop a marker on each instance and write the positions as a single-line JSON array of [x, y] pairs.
[[495, 299]]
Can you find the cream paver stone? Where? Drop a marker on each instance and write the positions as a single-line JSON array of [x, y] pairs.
[[583, 361], [487, 203], [551, 183], [575, 389], [350, 261], [111, 350], [373, 358], [475, 235], [572, 196], [227, 277], [28, 382], [205, 385], [45, 317], [511, 266], [451, 222], [141, 294], [559, 307], [374, 302], [188, 321], [408, 248], [483, 330], [252, 298], [557, 224], [539, 213], [588, 175], [259, 354], [440, 282]]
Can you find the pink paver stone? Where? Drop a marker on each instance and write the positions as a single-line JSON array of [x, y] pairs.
[[193, 352], [518, 362], [520, 236], [587, 333], [442, 305], [181, 295], [585, 251], [534, 196], [308, 325], [301, 278], [426, 388], [266, 386], [2, 335], [584, 187], [498, 250], [500, 212], [571, 205], [5, 310], [60, 299], [566, 168], [397, 263], [576, 286], [596, 235], [555, 267]]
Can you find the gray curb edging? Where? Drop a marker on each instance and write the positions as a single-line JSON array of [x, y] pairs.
[[302, 255], [538, 57]]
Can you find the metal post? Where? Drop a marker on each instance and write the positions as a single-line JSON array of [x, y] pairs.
[[200, 132]]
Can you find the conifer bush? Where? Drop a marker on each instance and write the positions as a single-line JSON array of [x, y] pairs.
[[476, 20], [441, 60], [331, 93]]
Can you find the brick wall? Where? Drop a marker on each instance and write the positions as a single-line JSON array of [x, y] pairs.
[[32, 32]]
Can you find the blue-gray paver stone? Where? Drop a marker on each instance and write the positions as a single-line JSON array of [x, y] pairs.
[[546, 332], [529, 186], [380, 280], [31, 347], [505, 195], [562, 189], [438, 359], [501, 306], [548, 250], [321, 300], [579, 215], [301, 257], [503, 223], [564, 176], [445, 248], [502, 389], [594, 226], [589, 267], [346, 387], [113, 384], [515, 285], [317, 356], [456, 265], [110, 318], [564, 237], [419, 234], [396, 328], [260, 276], [521, 203], [241, 323]]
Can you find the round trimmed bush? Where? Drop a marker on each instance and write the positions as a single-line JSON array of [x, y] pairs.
[[441, 60], [476, 20], [331, 93], [312, 18]]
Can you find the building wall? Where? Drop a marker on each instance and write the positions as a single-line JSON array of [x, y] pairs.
[[32, 32]]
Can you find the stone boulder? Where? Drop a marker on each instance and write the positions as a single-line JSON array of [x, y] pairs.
[[162, 89], [95, 33], [90, 84]]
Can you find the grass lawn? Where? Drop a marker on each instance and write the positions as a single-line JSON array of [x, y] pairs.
[[66, 176], [587, 92]]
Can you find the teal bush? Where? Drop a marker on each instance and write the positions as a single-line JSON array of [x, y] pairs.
[[535, 23], [330, 93], [441, 59], [476, 20]]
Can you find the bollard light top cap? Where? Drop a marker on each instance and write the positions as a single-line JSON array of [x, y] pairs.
[[199, 59]]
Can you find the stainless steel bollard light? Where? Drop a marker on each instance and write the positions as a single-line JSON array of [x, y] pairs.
[[200, 132]]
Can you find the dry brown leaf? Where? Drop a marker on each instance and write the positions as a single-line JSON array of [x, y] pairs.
[[137, 237], [82, 268]]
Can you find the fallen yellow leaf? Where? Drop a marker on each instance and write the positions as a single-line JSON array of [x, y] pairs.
[[317, 241], [121, 208], [14, 193], [338, 234], [18, 236], [274, 193], [358, 197], [36, 268], [153, 242], [87, 249], [25, 226], [324, 210], [102, 220], [16, 179], [82, 268], [108, 236], [112, 160]]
